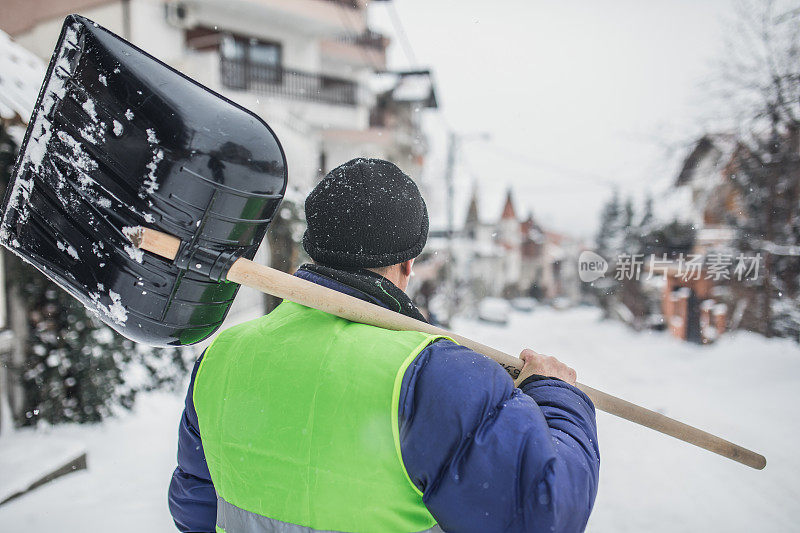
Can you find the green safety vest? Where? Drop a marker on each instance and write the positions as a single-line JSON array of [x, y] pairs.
[[298, 415]]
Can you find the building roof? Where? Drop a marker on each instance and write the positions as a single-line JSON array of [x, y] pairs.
[[414, 86], [723, 143], [508, 208], [531, 231], [21, 75], [473, 217], [528, 223]]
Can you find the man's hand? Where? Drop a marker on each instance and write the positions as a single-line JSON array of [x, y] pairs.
[[544, 365]]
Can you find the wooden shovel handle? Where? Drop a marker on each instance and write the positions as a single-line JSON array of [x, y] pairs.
[[292, 288]]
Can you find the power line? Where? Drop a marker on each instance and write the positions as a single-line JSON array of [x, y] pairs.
[[569, 173], [405, 43], [566, 172]]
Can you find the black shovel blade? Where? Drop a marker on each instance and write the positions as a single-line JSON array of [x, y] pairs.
[[119, 139]]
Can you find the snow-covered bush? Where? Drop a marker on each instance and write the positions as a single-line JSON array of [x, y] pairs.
[[72, 367], [77, 369], [624, 234]]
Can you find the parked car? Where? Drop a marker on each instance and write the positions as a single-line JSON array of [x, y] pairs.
[[494, 310], [526, 305], [560, 303]]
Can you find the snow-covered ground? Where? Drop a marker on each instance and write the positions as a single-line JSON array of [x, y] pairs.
[[744, 388], [124, 489]]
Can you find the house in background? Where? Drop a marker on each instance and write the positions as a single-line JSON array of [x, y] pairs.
[[705, 183], [510, 256], [312, 69], [695, 307], [509, 236]]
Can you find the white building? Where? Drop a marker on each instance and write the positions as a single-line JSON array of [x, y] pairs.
[[308, 67], [311, 68]]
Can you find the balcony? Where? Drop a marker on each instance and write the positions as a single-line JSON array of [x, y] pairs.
[[270, 80], [367, 48], [315, 18], [368, 38]]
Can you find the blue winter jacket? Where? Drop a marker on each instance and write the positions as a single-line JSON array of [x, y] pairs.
[[487, 456]]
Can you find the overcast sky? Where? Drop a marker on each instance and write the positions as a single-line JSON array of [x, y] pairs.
[[577, 96]]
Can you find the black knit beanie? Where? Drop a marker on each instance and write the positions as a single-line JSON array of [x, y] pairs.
[[366, 213]]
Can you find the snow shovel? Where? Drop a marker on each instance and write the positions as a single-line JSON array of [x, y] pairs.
[[116, 139], [204, 183]]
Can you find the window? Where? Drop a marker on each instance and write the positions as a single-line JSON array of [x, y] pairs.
[[233, 48], [251, 61], [265, 53]]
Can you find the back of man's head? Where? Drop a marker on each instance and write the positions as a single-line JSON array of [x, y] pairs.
[[366, 213]]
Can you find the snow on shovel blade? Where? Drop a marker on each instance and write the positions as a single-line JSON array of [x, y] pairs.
[[119, 139]]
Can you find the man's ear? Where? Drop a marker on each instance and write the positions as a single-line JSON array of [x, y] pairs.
[[406, 266]]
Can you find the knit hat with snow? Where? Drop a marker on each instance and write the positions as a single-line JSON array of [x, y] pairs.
[[366, 213]]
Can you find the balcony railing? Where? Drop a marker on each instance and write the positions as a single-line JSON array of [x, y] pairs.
[[278, 81], [370, 39]]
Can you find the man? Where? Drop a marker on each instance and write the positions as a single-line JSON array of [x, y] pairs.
[[300, 421]]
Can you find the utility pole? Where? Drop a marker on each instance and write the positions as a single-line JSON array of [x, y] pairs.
[[454, 143], [451, 162], [450, 285]]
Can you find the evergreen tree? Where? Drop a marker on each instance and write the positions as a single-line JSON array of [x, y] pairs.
[[73, 364], [632, 231], [673, 238], [609, 244], [648, 218], [625, 236], [609, 236], [769, 183]]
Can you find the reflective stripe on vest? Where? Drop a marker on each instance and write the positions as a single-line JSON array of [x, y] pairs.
[[298, 415], [231, 519]]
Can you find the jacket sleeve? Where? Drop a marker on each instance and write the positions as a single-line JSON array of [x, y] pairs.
[[491, 457], [192, 498]]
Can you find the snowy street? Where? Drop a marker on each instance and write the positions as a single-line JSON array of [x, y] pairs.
[[744, 388]]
